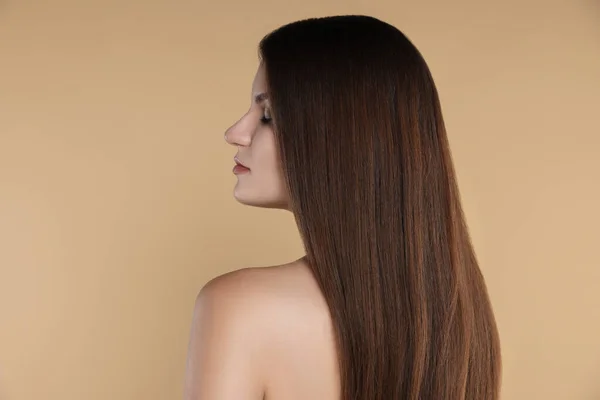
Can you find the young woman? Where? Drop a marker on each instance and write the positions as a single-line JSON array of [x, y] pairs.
[[346, 132]]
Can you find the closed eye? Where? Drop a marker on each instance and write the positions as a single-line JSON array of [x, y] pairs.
[[266, 118]]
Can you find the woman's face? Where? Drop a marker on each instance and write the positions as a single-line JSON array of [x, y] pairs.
[[261, 182]]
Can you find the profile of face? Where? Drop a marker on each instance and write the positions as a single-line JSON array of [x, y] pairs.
[[260, 181]]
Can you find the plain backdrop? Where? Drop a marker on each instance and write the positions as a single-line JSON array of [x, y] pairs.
[[116, 187]]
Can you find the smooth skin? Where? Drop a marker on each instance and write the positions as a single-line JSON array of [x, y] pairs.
[[261, 333]]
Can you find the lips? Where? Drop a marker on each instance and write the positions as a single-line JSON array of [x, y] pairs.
[[238, 162]]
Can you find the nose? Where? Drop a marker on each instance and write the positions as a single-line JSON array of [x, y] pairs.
[[239, 134]]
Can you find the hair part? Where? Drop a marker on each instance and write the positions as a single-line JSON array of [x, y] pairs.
[[372, 185]]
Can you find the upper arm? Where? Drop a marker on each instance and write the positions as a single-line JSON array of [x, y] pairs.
[[224, 354]]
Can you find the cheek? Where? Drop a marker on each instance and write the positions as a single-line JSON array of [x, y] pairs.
[[266, 153], [270, 176]]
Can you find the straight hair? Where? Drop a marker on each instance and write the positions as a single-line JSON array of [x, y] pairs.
[[372, 186]]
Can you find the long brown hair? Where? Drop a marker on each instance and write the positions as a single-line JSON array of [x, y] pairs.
[[372, 186]]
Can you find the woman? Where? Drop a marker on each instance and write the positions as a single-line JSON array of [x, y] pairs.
[[345, 131]]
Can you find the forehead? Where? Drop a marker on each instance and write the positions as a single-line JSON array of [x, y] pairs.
[[259, 83]]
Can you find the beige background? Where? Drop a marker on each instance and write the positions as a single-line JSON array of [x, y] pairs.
[[116, 187]]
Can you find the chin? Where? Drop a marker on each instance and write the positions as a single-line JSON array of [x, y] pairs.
[[254, 201]]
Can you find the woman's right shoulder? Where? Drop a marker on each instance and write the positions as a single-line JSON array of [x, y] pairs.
[[281, 299], [280, 313], [242, 320], [267, 287]]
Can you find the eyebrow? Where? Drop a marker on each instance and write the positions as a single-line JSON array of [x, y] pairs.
[[261, 97]]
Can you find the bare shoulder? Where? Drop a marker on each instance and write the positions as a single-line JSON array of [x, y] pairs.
[[257, 327], [266, 294]]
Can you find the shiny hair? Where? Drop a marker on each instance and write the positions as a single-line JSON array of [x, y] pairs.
[[372, 187]]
